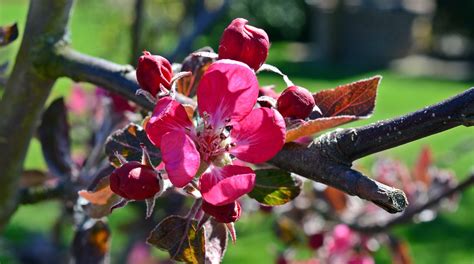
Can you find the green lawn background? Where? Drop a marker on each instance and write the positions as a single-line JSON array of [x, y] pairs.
[[448, 239]]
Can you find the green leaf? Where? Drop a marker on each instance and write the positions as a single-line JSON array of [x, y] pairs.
[[275, 187], [180, 237], [127, 142]]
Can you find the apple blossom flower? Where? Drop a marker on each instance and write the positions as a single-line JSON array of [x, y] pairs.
[[229, 126]]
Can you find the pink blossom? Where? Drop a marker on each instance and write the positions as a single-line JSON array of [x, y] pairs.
[[140, 254], [80, 101], [229, 126], [342, 239]]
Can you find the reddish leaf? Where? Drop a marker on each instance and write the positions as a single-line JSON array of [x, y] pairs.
[[336, 198], [8, 34], [216, 241], [314, 126], [338, 106], [100, 195], [180, 237], [91, 242], [127, 142], [53, 134], [197, 65], [356, 99], [422, 166]]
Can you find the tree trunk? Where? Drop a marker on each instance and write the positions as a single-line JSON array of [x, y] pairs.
[[26, 92]]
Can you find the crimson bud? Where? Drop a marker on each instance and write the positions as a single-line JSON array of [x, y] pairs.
[[316, 240], [227, 213], [154, 71], [295, 102], [135, 181], [244, 43]]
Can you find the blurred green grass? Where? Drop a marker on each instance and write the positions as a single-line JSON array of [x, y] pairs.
[[101, 29]]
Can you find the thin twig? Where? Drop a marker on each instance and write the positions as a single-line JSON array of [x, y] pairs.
[[120, 79], [38, 194]]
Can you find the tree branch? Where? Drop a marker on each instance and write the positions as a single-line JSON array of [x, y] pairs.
[[316, 164], [34, 195], [117, 78], [411, 212], [363, 141], [26, 92], [329, 158]]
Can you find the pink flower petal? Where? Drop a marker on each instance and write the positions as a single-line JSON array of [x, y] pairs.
[[228, 89], [224, 185], [168, 115], [180, 156], [259, 136]]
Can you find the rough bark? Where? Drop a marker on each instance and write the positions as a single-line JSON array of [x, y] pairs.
[[26, 92], [329, 158]]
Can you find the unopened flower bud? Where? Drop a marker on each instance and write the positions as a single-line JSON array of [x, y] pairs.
[[316, 241], [135, 181], [295, 102], [244, 43], [153, 71], [227, 213]]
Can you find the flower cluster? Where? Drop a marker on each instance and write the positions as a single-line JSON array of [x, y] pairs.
[[201, 148], [228, 126]]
